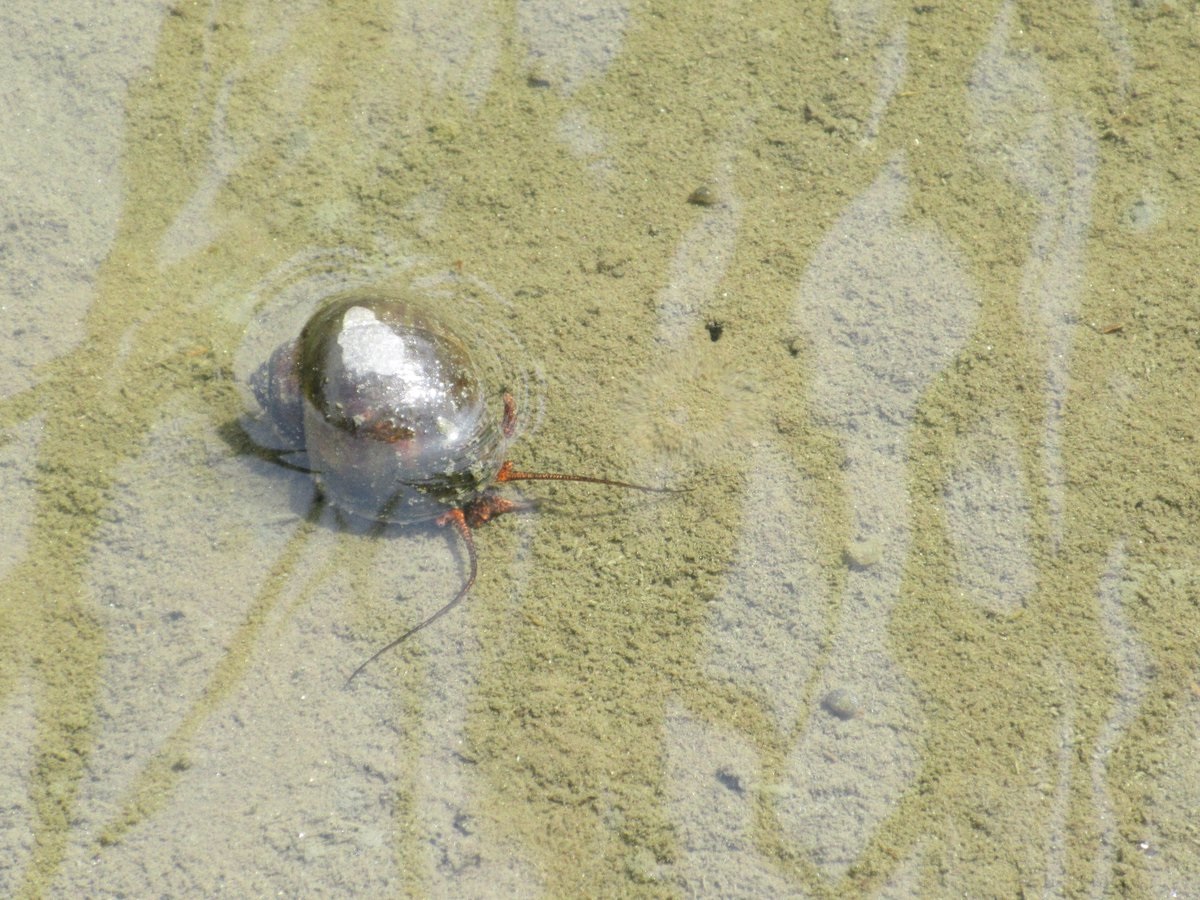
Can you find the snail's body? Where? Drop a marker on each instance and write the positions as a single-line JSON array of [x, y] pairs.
[[387, 406]]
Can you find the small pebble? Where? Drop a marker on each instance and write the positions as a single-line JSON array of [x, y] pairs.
[[863, 554], [841, 703], [703, 196], [730, 779]]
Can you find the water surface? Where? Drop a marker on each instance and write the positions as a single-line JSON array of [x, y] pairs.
[[925, 623]]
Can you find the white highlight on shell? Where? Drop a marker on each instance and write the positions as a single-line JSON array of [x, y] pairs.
[[372, 347]]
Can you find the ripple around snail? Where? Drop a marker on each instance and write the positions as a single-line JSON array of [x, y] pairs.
[[388, 407]]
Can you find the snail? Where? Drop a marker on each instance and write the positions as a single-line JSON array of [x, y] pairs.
[[395, 423]]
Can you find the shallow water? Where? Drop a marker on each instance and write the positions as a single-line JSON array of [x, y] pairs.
[[926, 622]]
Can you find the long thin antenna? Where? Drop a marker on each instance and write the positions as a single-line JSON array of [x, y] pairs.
[[508, 473], [456, 518]]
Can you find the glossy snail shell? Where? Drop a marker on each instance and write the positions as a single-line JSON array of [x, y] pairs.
[[386, 403]]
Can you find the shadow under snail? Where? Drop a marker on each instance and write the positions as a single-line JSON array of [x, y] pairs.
[[386, 404]]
